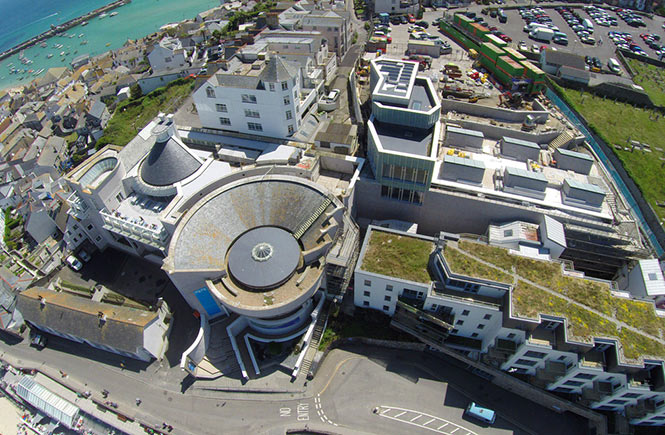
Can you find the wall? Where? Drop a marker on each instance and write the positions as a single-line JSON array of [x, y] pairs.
[[497, 132], [378, 289], [495, 112]]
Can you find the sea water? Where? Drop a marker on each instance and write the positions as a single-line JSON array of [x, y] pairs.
[[21, 20]]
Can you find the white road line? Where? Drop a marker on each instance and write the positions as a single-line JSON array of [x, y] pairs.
[[387, 410], [420, 414]]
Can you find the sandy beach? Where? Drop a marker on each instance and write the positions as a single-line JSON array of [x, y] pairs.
[[9, 417]]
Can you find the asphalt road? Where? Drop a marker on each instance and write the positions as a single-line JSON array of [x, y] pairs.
[[350, 384]]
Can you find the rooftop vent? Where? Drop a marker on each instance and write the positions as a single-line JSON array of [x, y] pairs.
[[102, 318], [42, 302]]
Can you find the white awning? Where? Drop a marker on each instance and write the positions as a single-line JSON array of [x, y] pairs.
[[48, 402]]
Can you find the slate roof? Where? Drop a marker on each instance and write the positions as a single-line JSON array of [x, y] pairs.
[[275, 70], [167, 163], [78, 316], [564, 59]]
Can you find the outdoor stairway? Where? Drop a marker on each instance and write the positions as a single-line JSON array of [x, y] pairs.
[[313, 346], [561, 140], [303, 227], [219, 359], [244, 354]]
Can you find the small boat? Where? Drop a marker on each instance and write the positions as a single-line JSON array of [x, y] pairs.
[[62, 53], [85, 23], [84, 42], [50, 55], [71, 36], [43, 45], [113, 14], [102, 15], [108, 44]]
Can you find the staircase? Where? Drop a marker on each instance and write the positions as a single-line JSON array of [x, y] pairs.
[[310, 220], [561, 140], [219, 359], [313, 345]]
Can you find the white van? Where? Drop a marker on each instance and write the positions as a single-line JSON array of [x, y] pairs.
[[588, 25], [529, 27], [480, 413], [614, 66]]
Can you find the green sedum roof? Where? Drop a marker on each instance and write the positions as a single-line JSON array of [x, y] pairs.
[[396, 255]]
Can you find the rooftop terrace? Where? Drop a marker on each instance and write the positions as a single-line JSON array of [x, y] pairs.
[[403, 257], [403, 139]]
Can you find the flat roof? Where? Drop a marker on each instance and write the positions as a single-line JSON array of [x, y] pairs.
[[516, 172], [466, 131], [575, 184], [524, 143], [403, 139], [398, 255], [574, 154], [464, 162], [398, 76]]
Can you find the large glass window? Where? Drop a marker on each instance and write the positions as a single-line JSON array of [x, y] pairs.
[[247, 98], [252, 113], [221, 108], [254, 126]]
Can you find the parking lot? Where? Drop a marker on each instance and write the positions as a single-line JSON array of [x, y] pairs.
[[603, 50]]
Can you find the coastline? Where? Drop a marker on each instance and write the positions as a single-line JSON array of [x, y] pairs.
[[61, 28]]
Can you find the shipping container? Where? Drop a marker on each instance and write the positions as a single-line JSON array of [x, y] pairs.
[[514, 54], [490, 51], [495, 40]]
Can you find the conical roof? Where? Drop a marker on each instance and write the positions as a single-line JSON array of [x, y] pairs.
[[167, 163]]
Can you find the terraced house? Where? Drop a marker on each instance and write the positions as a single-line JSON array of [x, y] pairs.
[[585, 339]]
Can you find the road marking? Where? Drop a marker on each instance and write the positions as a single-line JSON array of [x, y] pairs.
[[284, 412], [452, 427]]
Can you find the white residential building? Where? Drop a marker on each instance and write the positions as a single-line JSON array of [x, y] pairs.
[[167, 55], [335, 26], [438, 290], [396, 6], [267, 97]]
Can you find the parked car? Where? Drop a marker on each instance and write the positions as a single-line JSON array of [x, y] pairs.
[[74, 263], [412, 19], [422, 23], [478, 412], [83, 255], [403, 19], [39, 341]]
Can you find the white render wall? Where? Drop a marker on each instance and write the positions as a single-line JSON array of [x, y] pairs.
[[269, 104], [163, 59], [371, 291]]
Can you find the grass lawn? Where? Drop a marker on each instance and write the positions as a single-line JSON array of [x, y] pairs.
[[400, 256], [619, 122], [130, 116], [651, 78]]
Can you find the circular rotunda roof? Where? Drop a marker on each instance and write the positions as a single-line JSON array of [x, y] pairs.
[[264, 257]]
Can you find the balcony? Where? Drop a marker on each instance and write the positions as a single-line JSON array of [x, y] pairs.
[[424, 326], [77, 207], [552, 371], [500, 351], [598, 391], [135, 228]]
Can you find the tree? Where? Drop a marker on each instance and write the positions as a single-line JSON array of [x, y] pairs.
[[135, 92]]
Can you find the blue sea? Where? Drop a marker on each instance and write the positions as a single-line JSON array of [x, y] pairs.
[[23, 19]]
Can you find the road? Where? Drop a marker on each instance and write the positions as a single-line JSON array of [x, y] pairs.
[[350, 384]]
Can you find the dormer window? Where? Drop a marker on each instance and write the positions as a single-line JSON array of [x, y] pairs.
[[210, 92], [285, 86]]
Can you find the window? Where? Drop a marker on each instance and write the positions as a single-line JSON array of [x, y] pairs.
[[618, 402], [366, 293], [285, 86], [225, 121], [631, 395], [389, 287], [167, 59], [526, 362], [459, 322], [221, 108], [246, 98], [119, 197], [368, 282], [365, 303], [573, 383], [210, 92], [534, 354], [511, 335], [561, 358], [653, 277], [287, 100], [272, 87], [454, 331], [584, 376], [254, 126], [474, 335], [99, 238], [487, 316], [481, 326], [386, 308], [507, 233], [290, 129], [289, 115], [89, 227], [387, 298], [75, 240], [465, 312], [252, 113]]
